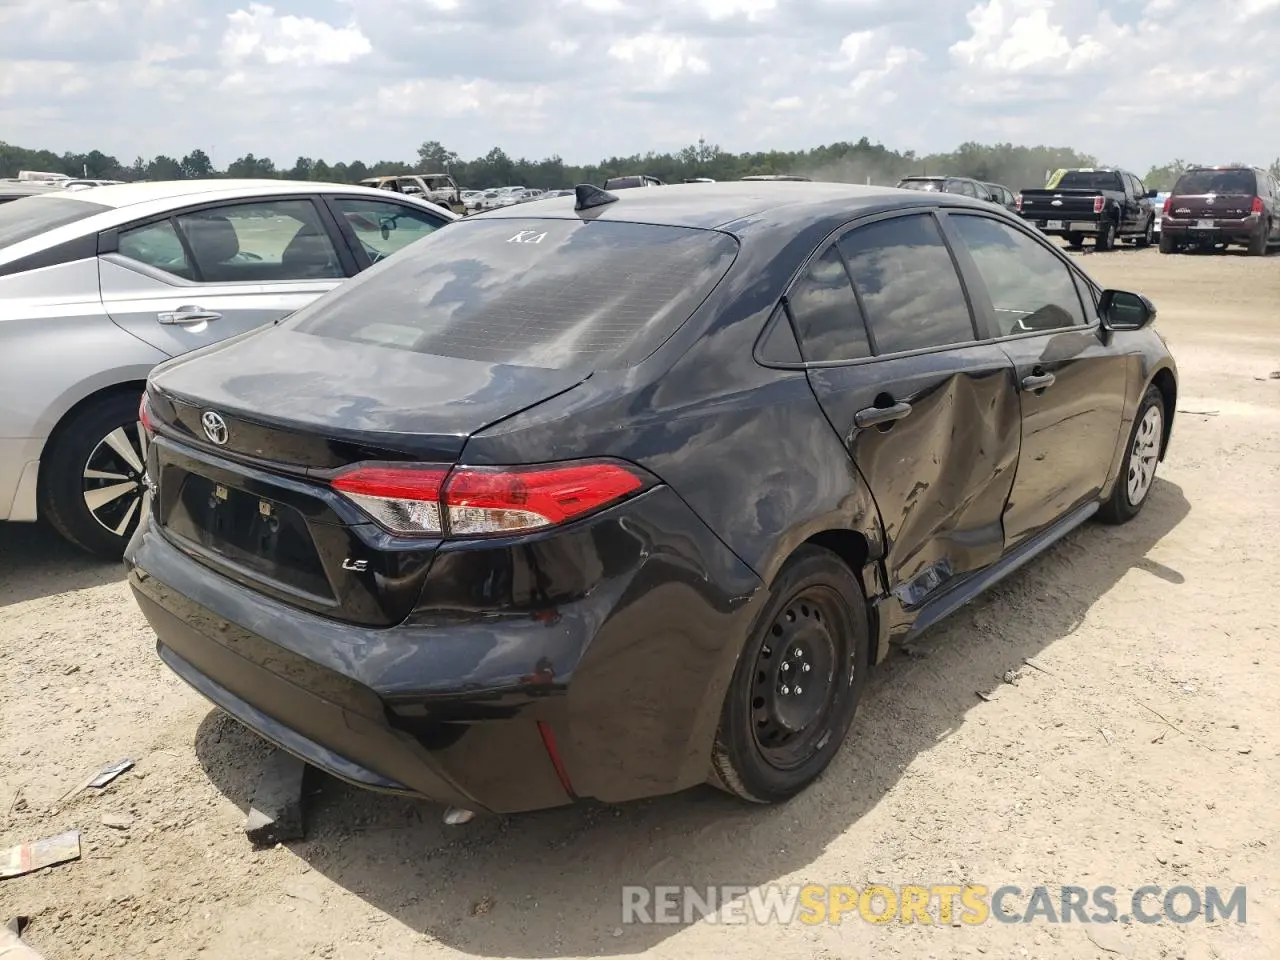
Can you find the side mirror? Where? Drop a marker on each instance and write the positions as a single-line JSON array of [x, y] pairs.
[[1152, 194], [1121, 310]]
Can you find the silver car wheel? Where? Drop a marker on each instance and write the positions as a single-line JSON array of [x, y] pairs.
[[113, 480], [1144, 456]]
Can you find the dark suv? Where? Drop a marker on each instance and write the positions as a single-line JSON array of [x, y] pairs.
[[1217, 206]]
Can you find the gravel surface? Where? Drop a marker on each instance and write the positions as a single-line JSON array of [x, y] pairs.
[[1140, 749]]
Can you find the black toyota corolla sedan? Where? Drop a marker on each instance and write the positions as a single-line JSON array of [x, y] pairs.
[[607, 496]]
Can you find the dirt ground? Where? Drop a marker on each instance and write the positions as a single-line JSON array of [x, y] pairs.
[[1143, 751]]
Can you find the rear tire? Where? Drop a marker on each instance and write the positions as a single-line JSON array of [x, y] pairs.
[[1106, 238], [1141, 457], [1167, 245], [1148, 235], [797, 682], [1258, 243], [91, 476]]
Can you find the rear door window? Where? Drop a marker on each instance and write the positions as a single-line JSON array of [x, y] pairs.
[[826, 313], [561, 294], [157, 245], [908, 285], [260, 242]]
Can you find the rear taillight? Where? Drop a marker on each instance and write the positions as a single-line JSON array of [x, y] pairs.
[[1017, 201], [1098, 203], [1257, 205], [144, 417], [404, 500], [1168, 205], [484, 501]]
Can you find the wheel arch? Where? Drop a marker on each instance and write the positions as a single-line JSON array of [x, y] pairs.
[[71, 413], [1164, 381], [854, 549]]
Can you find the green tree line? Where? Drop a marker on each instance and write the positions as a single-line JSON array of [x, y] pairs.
[[856, 162]]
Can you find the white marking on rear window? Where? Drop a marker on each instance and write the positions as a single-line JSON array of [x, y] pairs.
[[528, 236]]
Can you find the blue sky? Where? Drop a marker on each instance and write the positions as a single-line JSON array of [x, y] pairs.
[[1134, 82]]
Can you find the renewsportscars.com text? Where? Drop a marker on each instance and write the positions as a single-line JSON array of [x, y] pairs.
[[943, 904]]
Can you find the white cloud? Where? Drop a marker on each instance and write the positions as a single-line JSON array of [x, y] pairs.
[[1131, 81], [289, 40], [659, 57], [1017, 36]]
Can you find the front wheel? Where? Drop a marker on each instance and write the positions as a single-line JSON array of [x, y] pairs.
[[1138, 472], [91, 477], [1075, 240], [797, 682]]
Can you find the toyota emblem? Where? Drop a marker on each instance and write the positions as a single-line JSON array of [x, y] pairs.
[[215, 428]]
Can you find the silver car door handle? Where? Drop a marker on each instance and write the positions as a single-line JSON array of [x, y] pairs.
[[1038, 381], [188, 315]]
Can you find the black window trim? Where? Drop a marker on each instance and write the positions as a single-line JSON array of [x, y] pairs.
[[108, 241], [970, 268], [928, 210], [340, 223]]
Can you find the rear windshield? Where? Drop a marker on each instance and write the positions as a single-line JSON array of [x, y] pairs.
[[1216, 181], [618, 183], [1090, 180], [561, 294], [926, 185], [31, 216]]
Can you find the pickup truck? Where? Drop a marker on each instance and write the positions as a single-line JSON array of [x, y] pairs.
[[1104, 204]]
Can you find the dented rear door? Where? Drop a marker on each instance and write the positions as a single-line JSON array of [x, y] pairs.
[[929, 416]]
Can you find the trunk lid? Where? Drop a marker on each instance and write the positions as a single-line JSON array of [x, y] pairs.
[[292, 409], [298, 400]]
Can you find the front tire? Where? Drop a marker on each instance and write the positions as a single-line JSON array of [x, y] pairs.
[[1142, 455], [91, 488], [1075, 240], [797, 682]]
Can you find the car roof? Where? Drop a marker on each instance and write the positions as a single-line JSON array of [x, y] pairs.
[[719, 205], [129, 194]]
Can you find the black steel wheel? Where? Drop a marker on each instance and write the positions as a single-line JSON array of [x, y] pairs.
[[797, 683]]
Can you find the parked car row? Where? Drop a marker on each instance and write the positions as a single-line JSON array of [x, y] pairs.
[[963, 187], [1208, 208], [436, 510]]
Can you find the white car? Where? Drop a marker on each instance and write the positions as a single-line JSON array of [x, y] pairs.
[[97, 286]]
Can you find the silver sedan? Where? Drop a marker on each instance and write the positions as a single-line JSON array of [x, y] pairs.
[[97, 286]]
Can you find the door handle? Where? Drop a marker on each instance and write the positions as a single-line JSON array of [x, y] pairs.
[[872, 416], [188, 315], [1038, 381]]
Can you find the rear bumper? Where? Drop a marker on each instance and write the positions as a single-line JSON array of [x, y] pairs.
[[457, 705], [1223, 231], [1051, 228]]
